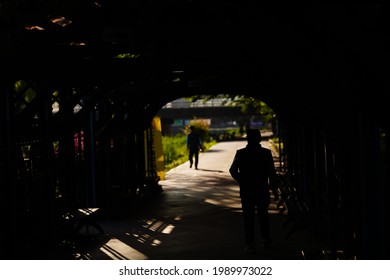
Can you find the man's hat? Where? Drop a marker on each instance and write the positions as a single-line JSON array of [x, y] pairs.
[[253, 135]]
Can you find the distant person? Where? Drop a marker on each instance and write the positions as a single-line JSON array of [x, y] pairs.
[[253, 168], [194, 145]]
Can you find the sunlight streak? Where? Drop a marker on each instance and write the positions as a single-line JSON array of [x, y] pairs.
[[156, 242], [168, 229], [230, 203], [160, 226], [117, 250]]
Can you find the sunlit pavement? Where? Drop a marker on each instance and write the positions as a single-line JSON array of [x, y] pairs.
[[196, 216]]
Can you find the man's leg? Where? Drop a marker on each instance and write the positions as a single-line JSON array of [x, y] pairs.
[[190, 157], [248, 209], [196, 155], [262, 211]]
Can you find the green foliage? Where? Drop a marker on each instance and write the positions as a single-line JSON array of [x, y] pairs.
[[201, 127], [277, 143], [250, 105], [127, 55], [175, 150], [24, 94], [253, 106]]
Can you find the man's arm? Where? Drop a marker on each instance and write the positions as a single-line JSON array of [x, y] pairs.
[[200, 143], [234, 171]]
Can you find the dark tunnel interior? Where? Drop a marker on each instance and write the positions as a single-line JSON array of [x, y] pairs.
[[110, 66]]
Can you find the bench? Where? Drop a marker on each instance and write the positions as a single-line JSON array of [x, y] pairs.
[[299, 214], [81, 218], [286, 191]]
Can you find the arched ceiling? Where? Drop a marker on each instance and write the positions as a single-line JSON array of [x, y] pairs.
[[306, 55]]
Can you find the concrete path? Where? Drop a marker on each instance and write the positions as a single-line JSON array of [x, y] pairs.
[[197, 216]]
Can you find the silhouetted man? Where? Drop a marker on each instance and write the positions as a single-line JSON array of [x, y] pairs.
[[194, 145], [253, 168]]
